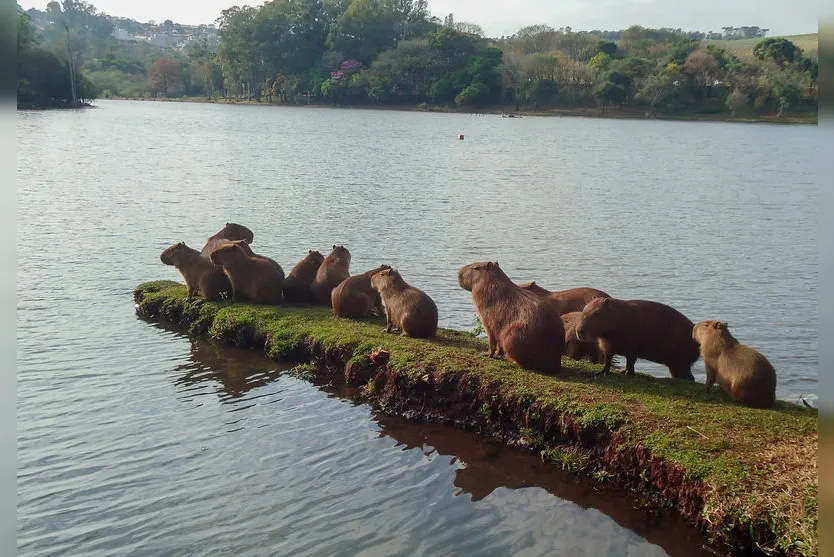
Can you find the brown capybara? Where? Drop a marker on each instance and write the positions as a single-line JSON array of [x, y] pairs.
[[355, 297], [297, 283], [575, 348], [253, 279], [333, 270], [407, 309], [248, 251], [199, 273], [573, 299], [742, 372], [640, 329], [523, 326], [231, 232]]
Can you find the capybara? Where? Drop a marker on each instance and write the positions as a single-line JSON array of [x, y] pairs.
[[355, 297], [573, 299], [248, 251], [741, 371], [640, 329], [333, 270], [407, 309], [523, 326], [297, 283], [575, 348], [232, 232], [199, 273], [252, 278]]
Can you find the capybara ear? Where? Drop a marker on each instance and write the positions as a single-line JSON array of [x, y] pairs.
[[719, 325], [489, 265], [606, 301], [227, 224], [309, 251], [334, 246], [495, 263], [533, 283]]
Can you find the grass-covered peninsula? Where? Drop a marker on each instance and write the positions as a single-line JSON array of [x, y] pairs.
[[747, 477]]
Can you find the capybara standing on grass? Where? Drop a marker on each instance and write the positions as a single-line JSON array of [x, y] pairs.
[[742, 372], [355, 297], [200, 274], [408, 309], [333, 270], [252, 278], [523, 326], [297, 284], [640, 329], [230, 232], [573, 299], [575, 348]]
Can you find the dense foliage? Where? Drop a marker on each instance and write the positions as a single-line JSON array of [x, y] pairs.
[[394, 52], [44, 77]]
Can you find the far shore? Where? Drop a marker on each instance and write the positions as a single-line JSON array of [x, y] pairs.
[[586, 112]]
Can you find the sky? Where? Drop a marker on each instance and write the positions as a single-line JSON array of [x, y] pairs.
[[504, 17]]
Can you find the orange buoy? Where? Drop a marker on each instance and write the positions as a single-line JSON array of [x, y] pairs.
[[460, 136]]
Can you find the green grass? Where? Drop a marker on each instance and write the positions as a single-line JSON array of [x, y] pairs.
[[735, 453]]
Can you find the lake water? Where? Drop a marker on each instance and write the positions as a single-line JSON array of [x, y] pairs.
[[137, 440]]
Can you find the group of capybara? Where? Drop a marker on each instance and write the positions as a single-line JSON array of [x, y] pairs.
[[524, 323]]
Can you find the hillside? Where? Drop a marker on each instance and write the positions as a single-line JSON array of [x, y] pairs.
[[743, 48]]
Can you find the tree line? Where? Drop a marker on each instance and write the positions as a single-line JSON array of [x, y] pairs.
[[393, 52]]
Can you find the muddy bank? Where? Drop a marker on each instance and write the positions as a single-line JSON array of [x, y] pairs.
[[746, 477]]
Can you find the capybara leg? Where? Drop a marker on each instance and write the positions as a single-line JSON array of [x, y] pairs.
[[492, 345], [607, 367], [189, 292], [630, 361], [682, 372], [711, 377]]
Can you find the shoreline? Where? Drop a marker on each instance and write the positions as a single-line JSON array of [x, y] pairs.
[[746, 477], [577, 112]]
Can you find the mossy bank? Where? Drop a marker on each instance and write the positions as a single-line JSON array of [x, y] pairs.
[[747, 477]]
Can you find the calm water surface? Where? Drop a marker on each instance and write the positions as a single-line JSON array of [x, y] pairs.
[[136, 440]]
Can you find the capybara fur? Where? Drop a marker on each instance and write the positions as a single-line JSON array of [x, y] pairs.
[[297, 283], [573, 299], [248, 251], [640, 329], [742, 372], [407, 309], [355, 297], [231, 232], [253, 279], [333, 270], [575, 348], [201, 276], [523, 326]]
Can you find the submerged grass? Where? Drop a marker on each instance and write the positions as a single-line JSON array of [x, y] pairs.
[[754, 470]]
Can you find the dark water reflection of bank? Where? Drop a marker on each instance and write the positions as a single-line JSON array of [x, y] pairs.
[[479, 466]]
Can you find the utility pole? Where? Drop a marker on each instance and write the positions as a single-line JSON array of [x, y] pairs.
[[71, 67]]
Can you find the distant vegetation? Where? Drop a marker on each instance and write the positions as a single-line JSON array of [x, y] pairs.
[[393, 52]]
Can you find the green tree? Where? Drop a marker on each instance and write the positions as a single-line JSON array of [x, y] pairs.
[[476, 94], [543, 92], [609, 93], [781, 51], [736, 102]]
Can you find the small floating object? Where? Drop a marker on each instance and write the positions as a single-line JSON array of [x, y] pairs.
[[460, 137]]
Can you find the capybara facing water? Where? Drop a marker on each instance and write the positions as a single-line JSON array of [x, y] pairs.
[[573, 299], [200, 274], [742, 372], [297, 284], [333, 270], [230, 232], [575, 348], [253, 278], [524, 326], [355, 297], [640, 329], [408, 309]]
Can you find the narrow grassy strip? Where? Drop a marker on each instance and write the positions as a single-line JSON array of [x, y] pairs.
[[747, 476]]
